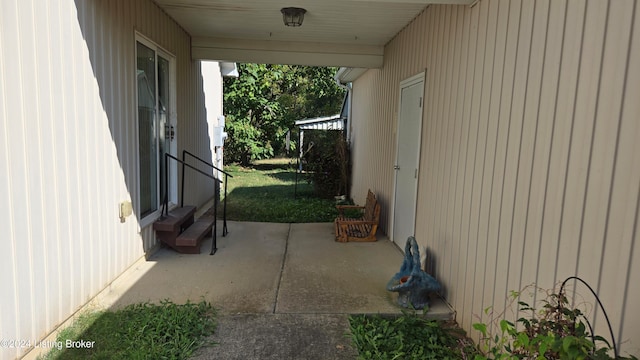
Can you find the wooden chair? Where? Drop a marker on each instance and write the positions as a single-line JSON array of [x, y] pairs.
[[362, 228]]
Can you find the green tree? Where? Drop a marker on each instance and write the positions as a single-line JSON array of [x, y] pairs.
[[263, 103]]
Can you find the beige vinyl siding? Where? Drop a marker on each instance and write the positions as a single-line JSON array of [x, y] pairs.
[[530, 163], [68, 144]]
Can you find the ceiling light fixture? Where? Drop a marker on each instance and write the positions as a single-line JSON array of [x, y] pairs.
[[293, 16]]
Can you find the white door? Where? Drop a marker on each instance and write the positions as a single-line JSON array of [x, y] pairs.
[[407, 159]]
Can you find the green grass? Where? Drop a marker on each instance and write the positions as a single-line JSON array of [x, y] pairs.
[[407, 337], [139, 331], [266, 192]]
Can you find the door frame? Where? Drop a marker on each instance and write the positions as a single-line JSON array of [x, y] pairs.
[[172, 118], [413, 80]]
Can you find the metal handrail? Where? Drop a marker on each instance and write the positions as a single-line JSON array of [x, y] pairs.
[[226, 175], [165, 204]]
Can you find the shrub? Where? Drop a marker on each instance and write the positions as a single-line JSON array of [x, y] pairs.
[[556, 331], [327, 162]]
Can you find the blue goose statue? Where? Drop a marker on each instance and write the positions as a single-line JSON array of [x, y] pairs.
[[412, 284]]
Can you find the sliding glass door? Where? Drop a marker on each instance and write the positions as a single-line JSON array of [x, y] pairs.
[[155, 131]]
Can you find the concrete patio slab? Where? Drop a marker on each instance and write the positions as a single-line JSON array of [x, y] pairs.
[[324, 276], [283, 291], [242, 277], [271, 268]]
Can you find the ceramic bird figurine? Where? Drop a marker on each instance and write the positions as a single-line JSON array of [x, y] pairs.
[[413, 285]]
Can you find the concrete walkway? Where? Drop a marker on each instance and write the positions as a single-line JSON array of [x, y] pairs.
[[283, 291]]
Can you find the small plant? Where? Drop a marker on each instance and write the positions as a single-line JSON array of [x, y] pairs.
[[556, 331], [407, 337]]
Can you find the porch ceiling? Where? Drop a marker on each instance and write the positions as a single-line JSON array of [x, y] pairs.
[[349, 33]]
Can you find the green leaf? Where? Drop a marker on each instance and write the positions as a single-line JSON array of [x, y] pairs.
[[505, 326], [481, 327], [566, 343], [523, 339]]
